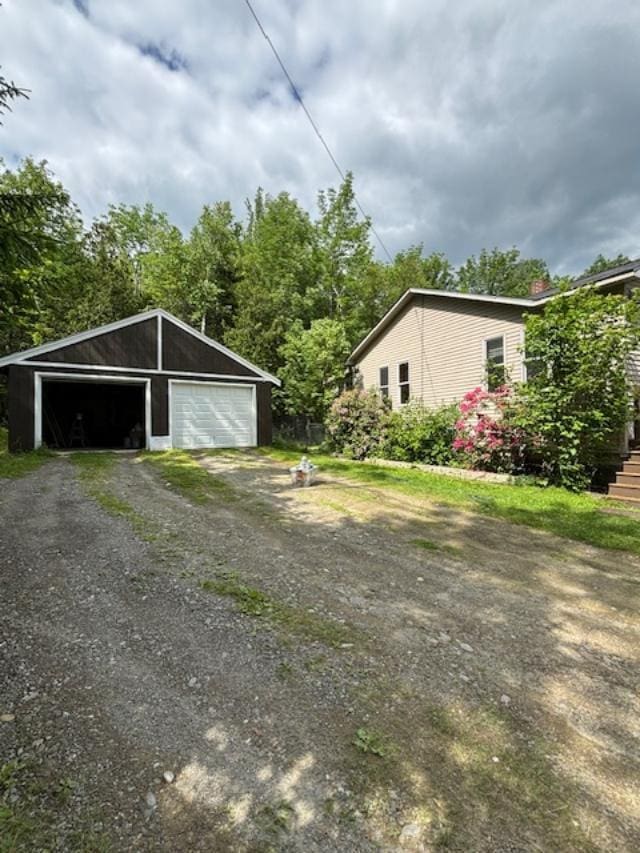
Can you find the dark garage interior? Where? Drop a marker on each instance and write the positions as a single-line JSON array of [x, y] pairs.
[[97, 415]]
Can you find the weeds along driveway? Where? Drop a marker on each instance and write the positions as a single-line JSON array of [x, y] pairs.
[[338, 668]]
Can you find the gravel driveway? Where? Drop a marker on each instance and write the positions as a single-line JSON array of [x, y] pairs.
[[336, 668]]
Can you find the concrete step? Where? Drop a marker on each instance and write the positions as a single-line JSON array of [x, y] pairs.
[[624, 492], [631, 466]]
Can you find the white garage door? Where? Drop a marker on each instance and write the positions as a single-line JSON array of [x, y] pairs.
[[204, 415]]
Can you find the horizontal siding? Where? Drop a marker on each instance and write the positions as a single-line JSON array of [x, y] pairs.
[[442, 339], [634, 367]]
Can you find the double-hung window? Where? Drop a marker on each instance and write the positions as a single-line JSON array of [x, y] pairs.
[[494, 361], [383, 384], [403, 382], [533, 365]]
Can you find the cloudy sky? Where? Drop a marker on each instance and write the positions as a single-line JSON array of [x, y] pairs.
[[467, 124]]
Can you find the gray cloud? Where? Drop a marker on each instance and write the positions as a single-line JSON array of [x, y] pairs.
[[466, 124]]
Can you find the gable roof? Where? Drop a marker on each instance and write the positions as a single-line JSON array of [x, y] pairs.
[[625, 271], [613, 274], [24, 355]]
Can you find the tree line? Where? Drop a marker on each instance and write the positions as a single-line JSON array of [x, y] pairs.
[[291, 291]]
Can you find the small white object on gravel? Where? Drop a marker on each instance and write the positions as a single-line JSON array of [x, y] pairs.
[[505, 700], [465, 647], [150, 805], [7, 718], [168, 776]]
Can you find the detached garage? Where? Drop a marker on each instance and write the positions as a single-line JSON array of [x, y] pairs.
[[149, 381]]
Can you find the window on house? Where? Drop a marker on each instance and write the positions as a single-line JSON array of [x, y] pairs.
[[384, 381], [494, 360], [403, 382], [533, 367]]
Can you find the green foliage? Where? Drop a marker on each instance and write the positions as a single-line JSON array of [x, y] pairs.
[[500, 273], [357, 423], [186, 476], [411, 269], [278, 269], [314, 367], [288, 618], [580, 399], [343, 254], [13, 465], [41, 261], [213, 259], [418, 434], [370, 742], [601, 264]]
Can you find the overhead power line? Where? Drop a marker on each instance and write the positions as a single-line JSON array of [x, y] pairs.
[[315, 127]]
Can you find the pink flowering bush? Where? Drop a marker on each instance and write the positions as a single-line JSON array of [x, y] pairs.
[[487, 436]]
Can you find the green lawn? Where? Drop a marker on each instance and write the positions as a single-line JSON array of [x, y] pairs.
[[18, 464], [582, 517]]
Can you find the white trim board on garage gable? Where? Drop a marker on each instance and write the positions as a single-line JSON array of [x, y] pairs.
[[25, 355]]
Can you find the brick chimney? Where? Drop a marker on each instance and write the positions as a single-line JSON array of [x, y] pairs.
[[538, 286]]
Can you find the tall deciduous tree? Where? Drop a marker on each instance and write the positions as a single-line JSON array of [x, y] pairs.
[[213, 254], [152, 248], [40, 256], [278, 268], [500, 273], [344, 256], [314, 367]]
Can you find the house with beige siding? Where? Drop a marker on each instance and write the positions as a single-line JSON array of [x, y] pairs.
[[435, 345]]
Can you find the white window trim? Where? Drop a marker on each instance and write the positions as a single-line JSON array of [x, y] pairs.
[[485, 358], [524, 367], [408, 382], [254, 403], [86, 377], [388, 385]]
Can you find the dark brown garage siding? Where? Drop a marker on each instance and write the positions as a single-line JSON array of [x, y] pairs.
[[263, 396], [132, 346], [159, 405], [184, 353], [21, 413]]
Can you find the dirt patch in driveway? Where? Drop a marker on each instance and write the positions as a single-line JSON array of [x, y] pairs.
[[335, 668]]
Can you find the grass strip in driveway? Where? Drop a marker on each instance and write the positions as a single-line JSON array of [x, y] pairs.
[[579, 516], [184, 474], [14, 465], [94, 470], [296, 620]]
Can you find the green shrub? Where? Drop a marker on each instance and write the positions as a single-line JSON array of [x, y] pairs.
[[357, 423], [578, 399], [418, 434]]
